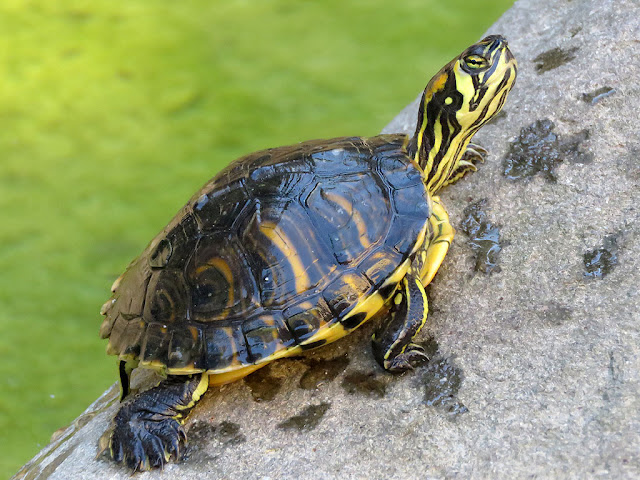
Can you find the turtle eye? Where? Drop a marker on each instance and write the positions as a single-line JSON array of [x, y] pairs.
[[475, 62]]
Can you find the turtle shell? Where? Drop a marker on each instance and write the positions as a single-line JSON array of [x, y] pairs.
[[277, 248]]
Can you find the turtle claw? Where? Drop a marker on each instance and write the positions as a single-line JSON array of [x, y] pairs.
[[474, 154], [412, 356], [148, 443], [147, 430]]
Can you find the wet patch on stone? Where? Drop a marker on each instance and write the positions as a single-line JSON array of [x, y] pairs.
[[362, 383], [202, 434], [601, 261], [597, 95], [225, 433], [442, 380], [555, 314], [539, 149], [484, 237], [308, 420], [554, 58], [263, 384], [322, 371]]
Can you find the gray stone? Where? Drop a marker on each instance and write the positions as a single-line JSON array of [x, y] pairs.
[[535, 368]]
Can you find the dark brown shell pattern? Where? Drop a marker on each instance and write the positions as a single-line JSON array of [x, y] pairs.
[[276, 246]]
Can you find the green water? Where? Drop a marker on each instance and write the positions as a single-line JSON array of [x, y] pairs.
[[113, 113]]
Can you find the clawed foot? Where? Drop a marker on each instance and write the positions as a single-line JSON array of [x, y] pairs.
[[472, 156], [412, 356], [145, 440]]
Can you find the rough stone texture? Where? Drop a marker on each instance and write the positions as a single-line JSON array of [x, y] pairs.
[[536, 367]]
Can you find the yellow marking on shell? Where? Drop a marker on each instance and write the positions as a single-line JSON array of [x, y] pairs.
[[351, 280], [229, 377], [281, 242], [223, 267], [186, 370], [171, 305], [156, 365], [306, 305], [231, 374], [439, 244], [420, 240], [370, 305], [397, 276], [355, 215], [329, 334]]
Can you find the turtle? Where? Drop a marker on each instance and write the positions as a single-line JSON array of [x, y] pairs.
[[290, 248]]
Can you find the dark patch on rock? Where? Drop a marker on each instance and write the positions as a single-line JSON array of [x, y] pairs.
[[554, 58], [484, 237], [597, 95], [322, 371], [226, 433], [554, 313], [442, 380], [308, 420], [263, 384], [202, 434], [540, 149], [601, 261], [365, 384]]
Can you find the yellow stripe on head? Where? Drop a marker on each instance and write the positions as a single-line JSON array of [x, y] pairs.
[[464, 95]]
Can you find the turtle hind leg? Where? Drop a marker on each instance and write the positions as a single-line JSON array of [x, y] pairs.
[[147, 431], [392, 345]]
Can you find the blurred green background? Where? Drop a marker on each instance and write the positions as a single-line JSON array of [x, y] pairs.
[[113, 113]]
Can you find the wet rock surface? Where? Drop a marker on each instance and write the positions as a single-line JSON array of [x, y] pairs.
[[537, 367], [483, 237]]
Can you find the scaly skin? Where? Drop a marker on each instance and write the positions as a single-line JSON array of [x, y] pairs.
[[459, 99]]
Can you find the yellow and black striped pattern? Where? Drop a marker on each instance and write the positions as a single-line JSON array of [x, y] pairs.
[[303, 263], [462, 97], [291, 248]]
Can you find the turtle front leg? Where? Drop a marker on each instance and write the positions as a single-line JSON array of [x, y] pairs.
[[148, 429], [392, 346], [473, 155]]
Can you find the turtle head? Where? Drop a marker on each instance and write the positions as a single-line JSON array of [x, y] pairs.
[[464, 95]]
